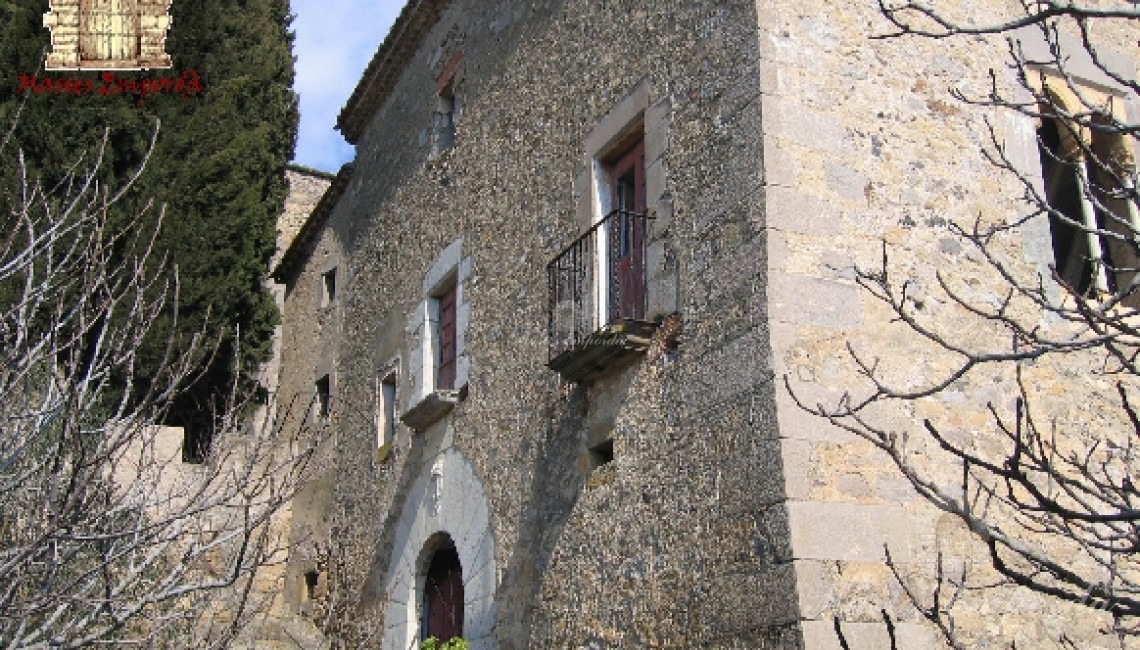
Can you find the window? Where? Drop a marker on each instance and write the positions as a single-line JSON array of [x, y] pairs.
[[443, 122], [1092, 222], [611, 287], [438, 365], [328, 287], [445, 341], [443, 596], [385, 414], [625, 266], [312, 579], [449, 105], [324, 398]]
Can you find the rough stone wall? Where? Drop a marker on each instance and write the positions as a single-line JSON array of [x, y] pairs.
[[306, 186], [863, 144], [682, 540], [305, 189]]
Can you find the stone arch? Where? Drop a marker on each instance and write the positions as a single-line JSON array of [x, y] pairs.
[[447, 501]]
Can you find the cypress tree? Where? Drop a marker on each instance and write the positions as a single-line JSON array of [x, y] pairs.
[[217, 166]]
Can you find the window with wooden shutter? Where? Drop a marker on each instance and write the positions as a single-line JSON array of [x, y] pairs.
[[627, 231], [445, 379]]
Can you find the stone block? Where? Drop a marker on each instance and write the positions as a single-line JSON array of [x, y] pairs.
[[792, 209], [661, 295], [820, 635], [655, 182], [832, 305], [866, 529]]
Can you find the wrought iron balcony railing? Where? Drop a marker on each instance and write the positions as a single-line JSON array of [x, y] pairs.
[[597, 296]]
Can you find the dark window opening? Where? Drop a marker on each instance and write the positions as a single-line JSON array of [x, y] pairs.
[[1071, 254], [196, 440], [602, 453], [328, 287], [386, 427], [324, 398], [445, 357], [443, 596], [1092, 232], [311, 580]]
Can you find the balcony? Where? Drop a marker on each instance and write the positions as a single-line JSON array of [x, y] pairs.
[[597, 299]]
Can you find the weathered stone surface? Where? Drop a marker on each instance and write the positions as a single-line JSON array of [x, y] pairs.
[[685, 500]]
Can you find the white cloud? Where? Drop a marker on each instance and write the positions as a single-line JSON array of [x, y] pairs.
[[335, 41]]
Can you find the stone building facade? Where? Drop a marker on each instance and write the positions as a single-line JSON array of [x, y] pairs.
[[549, 310]]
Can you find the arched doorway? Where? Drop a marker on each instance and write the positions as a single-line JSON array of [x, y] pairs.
[[443, 594]]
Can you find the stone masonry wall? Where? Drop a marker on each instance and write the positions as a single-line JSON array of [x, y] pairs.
[[863, 144], [682, 540]]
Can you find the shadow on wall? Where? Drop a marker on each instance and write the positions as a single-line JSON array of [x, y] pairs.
[[562, 468]]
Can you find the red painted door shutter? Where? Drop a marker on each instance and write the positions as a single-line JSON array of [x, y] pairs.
[[446, 377], [627, 234]]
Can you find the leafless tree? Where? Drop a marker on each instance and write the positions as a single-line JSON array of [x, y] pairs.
[[106, 536], [1050, 493]]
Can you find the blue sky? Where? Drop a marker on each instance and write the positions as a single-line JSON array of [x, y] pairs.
[[335, 41]]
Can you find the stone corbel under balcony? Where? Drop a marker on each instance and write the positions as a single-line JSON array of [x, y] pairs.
[[431, 408]]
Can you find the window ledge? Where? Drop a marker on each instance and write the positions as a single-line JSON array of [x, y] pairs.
[[432, 407]]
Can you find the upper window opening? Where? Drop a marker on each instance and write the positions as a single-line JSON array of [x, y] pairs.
[[444, 121], [385, 415], [446, 341], [324, 398], [1091, 221], [328, 287]]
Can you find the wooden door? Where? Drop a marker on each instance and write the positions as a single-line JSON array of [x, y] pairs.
[[627, 233], [109, 30], [443, 596]]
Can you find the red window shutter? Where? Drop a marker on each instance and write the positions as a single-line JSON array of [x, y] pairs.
[[627, 236], [446, 378]]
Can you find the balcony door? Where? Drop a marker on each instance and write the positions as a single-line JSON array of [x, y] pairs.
[[626, 235]]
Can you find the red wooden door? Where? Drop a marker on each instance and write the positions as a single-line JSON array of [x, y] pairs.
[[627, 299], [443, 596]]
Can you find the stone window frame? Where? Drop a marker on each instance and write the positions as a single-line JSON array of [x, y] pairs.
[[327, 297], [635, 115], [449, 104], [427, 402], [387, 404], [1022, 146]]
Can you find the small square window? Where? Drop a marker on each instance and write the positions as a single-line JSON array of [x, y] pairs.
[[328, 287]]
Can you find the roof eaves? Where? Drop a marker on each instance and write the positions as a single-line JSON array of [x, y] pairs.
[[393, 55]]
